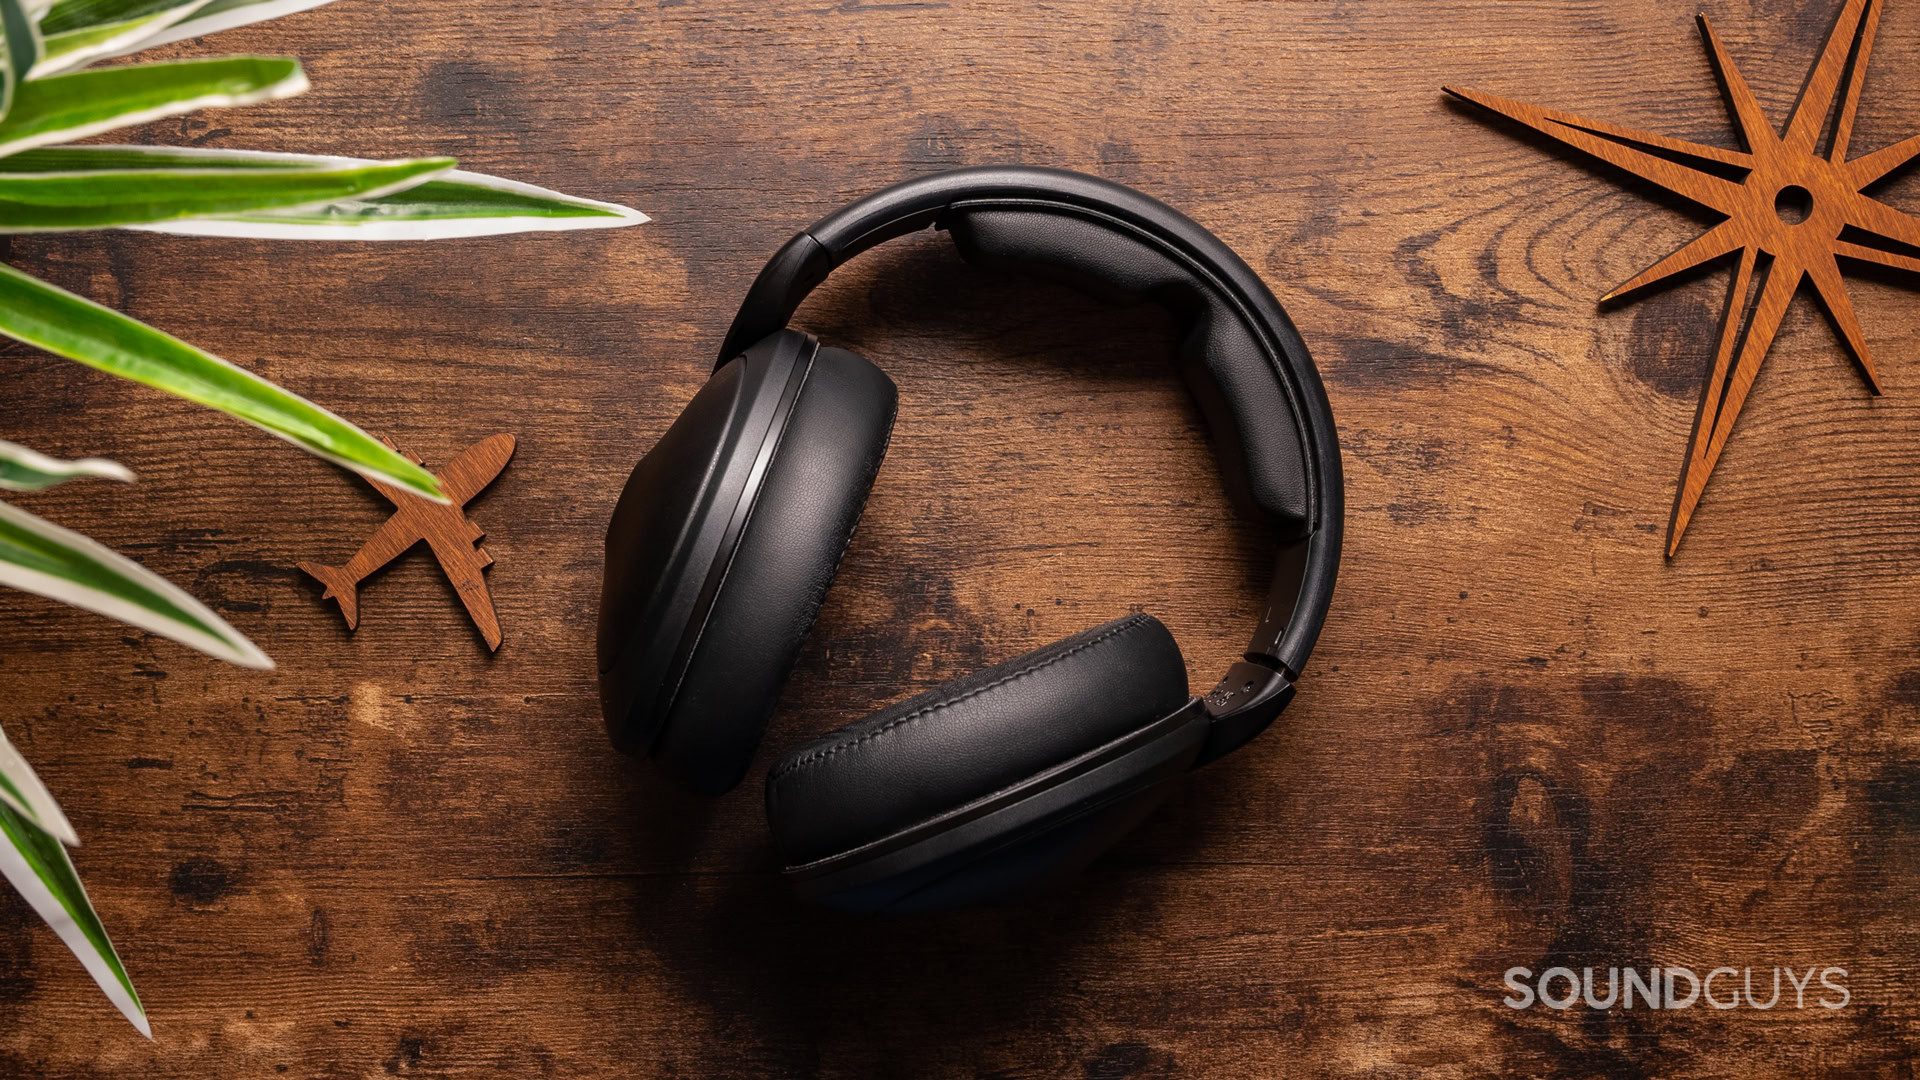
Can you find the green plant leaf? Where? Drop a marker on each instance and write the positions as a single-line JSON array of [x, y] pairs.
[[23, 37], [65, 16], [225, 15], [22, 469], [40, 557], [39, 869], [450, 205], [78, 32], [79, 329], [20, 788], [82, 103], [95, 191], [23, 49]]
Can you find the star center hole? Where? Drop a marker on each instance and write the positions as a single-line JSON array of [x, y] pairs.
[[1794, 203]]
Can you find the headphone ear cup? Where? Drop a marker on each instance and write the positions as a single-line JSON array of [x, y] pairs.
[[984, 785], [808, 503]]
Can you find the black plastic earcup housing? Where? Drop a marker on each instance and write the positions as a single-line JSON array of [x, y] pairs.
[[1262, 457], [670, 524], [924, 803], [815, 488], [711, 587]]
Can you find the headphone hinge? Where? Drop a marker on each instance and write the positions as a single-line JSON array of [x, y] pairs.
[[1249, 698]]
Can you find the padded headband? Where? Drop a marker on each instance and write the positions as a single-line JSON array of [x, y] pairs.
[[1245, 362]]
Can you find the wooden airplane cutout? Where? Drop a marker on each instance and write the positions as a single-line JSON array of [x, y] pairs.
[[454, 537]]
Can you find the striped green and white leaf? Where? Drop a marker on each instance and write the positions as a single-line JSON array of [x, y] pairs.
[[82, 103], [53, 319], [63, 188], [78, 32], [453, 204], [22, 49], [20, 788], [37, 866], [67, 16], [223, 15], [24, 469], [40, 557]]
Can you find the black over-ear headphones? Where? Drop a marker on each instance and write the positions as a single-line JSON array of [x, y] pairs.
[[730, 530]]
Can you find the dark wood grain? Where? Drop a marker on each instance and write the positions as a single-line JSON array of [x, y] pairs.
[[1525, 739]]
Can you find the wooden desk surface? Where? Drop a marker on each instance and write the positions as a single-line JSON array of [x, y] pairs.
[[1526, 739]]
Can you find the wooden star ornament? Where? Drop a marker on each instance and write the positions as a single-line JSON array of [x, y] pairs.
[[1791, 212]]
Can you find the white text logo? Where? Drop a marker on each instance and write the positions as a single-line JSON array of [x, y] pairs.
[[1677, 988]]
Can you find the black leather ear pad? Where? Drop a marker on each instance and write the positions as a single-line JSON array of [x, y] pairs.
[[1262, 456], [968, 739], [802, 519]]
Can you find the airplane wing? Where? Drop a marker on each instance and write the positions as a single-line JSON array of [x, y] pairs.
[[475, 467], [390, 541], [464, 565], [468, 475]]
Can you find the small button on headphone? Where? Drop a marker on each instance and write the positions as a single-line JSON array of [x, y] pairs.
[[730, 530]]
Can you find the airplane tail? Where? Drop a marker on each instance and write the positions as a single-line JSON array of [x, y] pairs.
[[340, 587]]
